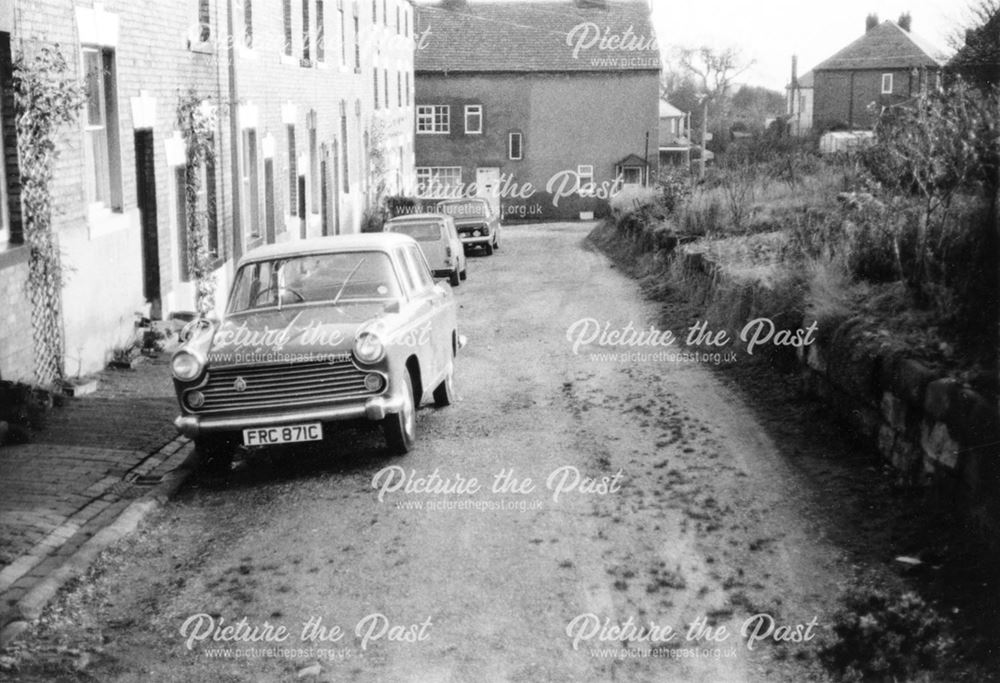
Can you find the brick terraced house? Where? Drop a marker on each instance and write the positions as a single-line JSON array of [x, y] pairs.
[[885, 67], [541, 107], [307, 94]]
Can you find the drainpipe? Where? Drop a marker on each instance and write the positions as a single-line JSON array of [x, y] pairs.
[[234, 133]]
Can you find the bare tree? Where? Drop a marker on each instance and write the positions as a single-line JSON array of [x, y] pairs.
[[714, 71]]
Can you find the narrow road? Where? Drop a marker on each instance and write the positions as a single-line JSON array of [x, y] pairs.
[[674, 508]]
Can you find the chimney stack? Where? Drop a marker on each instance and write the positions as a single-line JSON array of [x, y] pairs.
[[871, 21], [795, 70], [905, 21]]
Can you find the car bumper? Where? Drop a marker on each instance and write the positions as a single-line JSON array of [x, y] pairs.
[[375, 409], [485, 239]]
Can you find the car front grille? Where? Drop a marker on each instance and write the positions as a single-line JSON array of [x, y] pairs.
[[284, 385]]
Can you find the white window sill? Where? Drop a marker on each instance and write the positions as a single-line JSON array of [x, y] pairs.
[[102, 221], [206, 48]]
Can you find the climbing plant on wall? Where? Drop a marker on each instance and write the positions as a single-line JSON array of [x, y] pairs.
[[46, 97], [196, 119]]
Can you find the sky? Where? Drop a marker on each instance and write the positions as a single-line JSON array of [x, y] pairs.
[[769, 32]]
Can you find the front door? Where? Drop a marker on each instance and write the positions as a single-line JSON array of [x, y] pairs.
[[488, 186], [145, 176]]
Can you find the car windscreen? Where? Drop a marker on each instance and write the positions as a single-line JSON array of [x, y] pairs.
[[462, 209], [422, 232], [314, 278]]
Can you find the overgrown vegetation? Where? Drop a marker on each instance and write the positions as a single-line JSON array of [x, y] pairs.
[[902, 233], [47, 96], [885, 636], [196, 119]]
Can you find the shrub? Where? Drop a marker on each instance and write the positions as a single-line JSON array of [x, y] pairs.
[[400, 205], [882, 636]]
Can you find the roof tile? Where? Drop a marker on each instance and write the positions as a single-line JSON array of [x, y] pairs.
[[536, 36]]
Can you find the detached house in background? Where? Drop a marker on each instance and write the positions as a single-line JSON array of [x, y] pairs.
[[675, 136], [307, 96], [799, 101], [524, 104], [885, 67]]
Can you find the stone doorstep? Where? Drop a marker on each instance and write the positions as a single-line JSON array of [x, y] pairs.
[[50, 545]]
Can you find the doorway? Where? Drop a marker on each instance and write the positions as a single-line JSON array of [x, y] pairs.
[[145, 175], [488, 186]]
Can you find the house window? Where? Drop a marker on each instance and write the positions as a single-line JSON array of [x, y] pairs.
[[269, 210], [204, 21], [473, 119], [399, 25], [101, 144], [251, 183], [515, 146], [438, 181], [385, 13], [406, 23], [886, 84], [320, 32], [357, 45], [5, 233], [248, 23], [313, 170], [586, 174], [375, 86], [385, 83], [407, 82], [344, 147], [433, 118], [306, 46], [293, 173], [286, 14], [399, 88], [374, 11], [343, 32]]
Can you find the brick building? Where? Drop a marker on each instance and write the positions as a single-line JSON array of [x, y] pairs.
[[307, 93], [541, 107], [885, 67]]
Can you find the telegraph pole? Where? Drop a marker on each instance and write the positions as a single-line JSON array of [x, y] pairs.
[[704, 136]]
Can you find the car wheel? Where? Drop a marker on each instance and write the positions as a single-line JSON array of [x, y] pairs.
[[216, 454], [496, 245], [401, 428], [455, 279], [463, 275], [488, 248], [444, 395]]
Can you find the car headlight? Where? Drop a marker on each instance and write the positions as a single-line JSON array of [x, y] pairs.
[[368, 347], [186, 366]]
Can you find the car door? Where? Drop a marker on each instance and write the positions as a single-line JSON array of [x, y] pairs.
[[433, 318], [456, 243]]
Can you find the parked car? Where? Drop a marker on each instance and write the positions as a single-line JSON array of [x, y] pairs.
[[316, 332], [438, 239], [478, 225]]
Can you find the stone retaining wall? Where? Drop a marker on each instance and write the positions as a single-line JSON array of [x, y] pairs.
[[934, 431]]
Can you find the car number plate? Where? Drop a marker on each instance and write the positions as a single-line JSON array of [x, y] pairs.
[[268, 436]]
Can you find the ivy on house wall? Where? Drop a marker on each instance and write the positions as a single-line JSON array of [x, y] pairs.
[[46, 97], [196, 119]]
